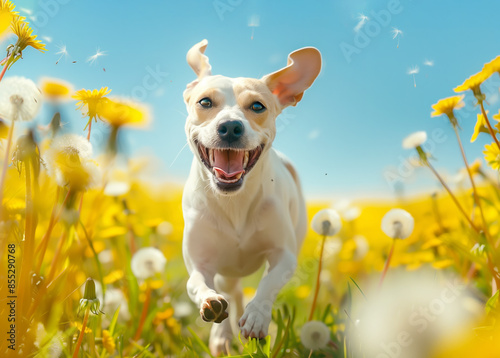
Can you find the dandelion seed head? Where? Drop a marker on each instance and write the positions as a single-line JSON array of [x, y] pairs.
[[326, 222], [315, 335], [147, 262], [254, 21], [20, 99], [414, 140], [93, 59], [413, 70], [398, 224], [396, 32], [429, 63]]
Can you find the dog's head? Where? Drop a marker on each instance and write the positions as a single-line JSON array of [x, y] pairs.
[[231, 121]]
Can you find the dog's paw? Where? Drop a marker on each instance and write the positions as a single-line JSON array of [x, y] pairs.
[[255, 322], [213, 309]]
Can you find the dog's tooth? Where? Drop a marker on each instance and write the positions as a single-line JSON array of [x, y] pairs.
[[211, 154], [245, 161]]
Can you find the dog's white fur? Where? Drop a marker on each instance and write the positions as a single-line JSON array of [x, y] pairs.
[[231, 234]]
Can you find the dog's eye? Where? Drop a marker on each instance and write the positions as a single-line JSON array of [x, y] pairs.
[[257, 107], [205, 102]]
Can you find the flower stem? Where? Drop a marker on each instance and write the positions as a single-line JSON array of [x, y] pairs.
[[82, 332], [488, 124], [455, 200], [90, 127], [387, 263], [144, 312], [316, 291], [4, 68], [5, 165], [474, 190]]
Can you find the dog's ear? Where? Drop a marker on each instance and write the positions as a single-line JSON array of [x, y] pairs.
[[198, 61], [289, 83], [200, 65]]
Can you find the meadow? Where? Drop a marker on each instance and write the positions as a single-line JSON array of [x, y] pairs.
[[91, 262]]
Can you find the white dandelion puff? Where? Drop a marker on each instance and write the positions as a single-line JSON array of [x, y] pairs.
[[115, 298], [93, 59], [326, 222], [116, 188], [414, 140], [429, 63], [253, 22], [413, 71], [63, 52], [315, 335], [20, 99], [398, 224], [396, 34], [147, 262], [362, 20], [182, 309]]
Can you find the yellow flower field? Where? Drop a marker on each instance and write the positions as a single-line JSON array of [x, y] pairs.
[[91, 261]]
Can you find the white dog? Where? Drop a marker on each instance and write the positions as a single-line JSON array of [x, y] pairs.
[[242, 203]]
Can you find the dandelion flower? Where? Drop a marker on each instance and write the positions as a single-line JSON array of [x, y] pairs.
[[69, 162], [414, 140], [479, 127], [91, 100], [7, 13], [25, 38], [398, 224], [55, 89], [326, 222], [120, 112], [447, 106], [473, 83], [147, 262], [108, 342], [492, 155], [315, 335], [20, 99], [492, 66]]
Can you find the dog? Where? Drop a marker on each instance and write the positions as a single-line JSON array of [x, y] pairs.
[[242, 203]]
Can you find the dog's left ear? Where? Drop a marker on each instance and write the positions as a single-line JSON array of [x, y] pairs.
[[198, 61], [289, 83]]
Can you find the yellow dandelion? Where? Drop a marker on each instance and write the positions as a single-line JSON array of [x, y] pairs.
[[492, 66], [91, 100], [7, 13], [25, 38], [479, 127], [475, 167], [108, 342], [163, 316], [120, 112], [492, 155], [447, 105], [55, 89], [4, 130], [473, 83]]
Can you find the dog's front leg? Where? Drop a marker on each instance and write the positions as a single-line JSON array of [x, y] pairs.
[[255, 321], [200, 287]]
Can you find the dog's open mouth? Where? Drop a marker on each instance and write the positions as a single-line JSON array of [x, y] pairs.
[[229, 166]]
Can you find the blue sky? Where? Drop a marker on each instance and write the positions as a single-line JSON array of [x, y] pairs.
[[347, 131]]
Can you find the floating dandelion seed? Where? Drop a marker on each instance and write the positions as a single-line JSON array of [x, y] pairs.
[[26, 11], [47, 39], [92, 59], [63, 52], [413, 71], [396, 33], [429, 63], [362, 19], [253, 22]]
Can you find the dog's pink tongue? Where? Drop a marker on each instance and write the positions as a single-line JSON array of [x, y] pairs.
[[228, 162]]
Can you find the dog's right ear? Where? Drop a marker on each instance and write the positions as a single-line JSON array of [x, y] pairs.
[[199, 63]]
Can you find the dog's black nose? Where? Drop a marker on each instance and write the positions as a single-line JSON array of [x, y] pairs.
[[231, 130]]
